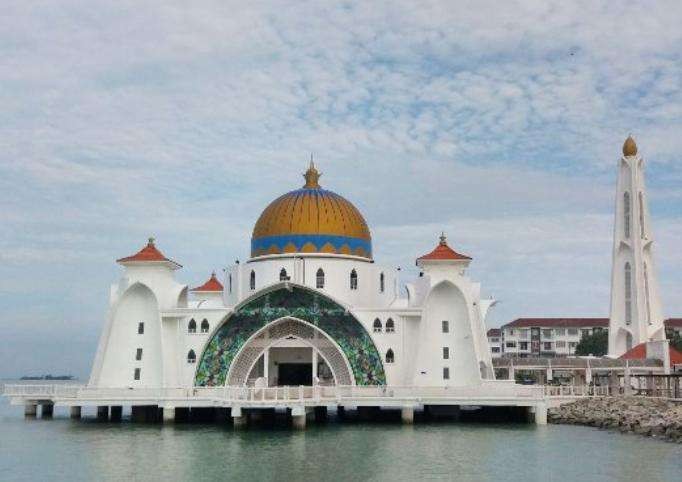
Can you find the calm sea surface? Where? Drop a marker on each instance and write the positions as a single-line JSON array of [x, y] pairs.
[[61, 449]]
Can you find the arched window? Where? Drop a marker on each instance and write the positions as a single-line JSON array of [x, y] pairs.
[[377, 325], [390, 326], [191, 357], [353, 280], [229, 278], [192, 326], [628, 342], [204, 326], [641, 215], [390, 357], [646, 294], [628, 294], [319, 279], [381, 283], [252, 281], [283, 275], [626, 214]]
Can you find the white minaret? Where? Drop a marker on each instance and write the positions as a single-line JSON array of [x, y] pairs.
[[636, 314]]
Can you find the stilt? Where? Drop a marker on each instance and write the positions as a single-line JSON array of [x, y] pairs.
[[116, 413], [239, 418], [47, 409], [298, 417], [75, 412], [407, 415], [103, 413], [30, 410], [168, 414], [541, 414]]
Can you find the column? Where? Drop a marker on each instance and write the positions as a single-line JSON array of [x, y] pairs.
[[315, 379], [541, 414], [75, 412], [30, 409], [266, 366], [407, 415], [298, 417], [239, 419], [168, 414]]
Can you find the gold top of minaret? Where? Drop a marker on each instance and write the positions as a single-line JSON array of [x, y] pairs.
[[629, 147], [312, 176]]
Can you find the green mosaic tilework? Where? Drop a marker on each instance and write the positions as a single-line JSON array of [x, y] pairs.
[[296, 302]]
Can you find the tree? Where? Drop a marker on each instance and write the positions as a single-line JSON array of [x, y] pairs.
[[675, 340], [596, 344]]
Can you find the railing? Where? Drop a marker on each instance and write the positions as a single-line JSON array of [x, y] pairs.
[[486, 390], [568, 391]]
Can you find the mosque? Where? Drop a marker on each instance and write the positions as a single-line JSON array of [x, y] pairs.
[[310, 307]]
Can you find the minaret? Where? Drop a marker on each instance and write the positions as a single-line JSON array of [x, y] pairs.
[[636, 314]]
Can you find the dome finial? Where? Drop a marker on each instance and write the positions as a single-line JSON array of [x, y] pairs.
[[443, 239], [312, 176], [629, 147]]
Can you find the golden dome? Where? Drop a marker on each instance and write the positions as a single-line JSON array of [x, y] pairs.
[[629, 147], [311, 220]]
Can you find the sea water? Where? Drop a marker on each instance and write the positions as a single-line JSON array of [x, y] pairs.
[[87, 450]]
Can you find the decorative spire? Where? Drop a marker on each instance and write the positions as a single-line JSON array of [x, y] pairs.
[[312, 176], [443, 239], [150, 243], [629, 147]]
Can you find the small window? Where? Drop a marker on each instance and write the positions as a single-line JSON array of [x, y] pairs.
[[136, 376], [573, 331], [523, 345], [628, 293], [353, 280], [283, 275], [495, 349], [512, 344], [390, 326], [377, 325], [229, 279], [446, 326], [381, 283], [642, 231], [252, 280], [140, 328], [319, 279], [192, 326], [390, 357], [626, 214], [205, 326], [446, 373], [191, 357], [138, 354], [446, 353], [547, 346]]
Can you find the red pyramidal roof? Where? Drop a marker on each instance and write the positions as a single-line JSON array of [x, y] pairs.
[[639, 353], [443, 252], [211, 285], [148, 253]]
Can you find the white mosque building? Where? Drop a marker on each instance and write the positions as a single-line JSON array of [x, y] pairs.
[[310, 307]]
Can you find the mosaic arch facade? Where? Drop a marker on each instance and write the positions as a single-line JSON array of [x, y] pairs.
[[290, 301]]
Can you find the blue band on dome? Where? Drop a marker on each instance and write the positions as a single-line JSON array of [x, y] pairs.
[[261, 246]]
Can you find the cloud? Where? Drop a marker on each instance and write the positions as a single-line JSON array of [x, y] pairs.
[[498, 122]]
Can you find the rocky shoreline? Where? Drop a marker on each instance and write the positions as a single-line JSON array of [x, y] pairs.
[[643, 416]]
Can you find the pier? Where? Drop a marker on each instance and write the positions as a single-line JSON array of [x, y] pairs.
[[301, 403]]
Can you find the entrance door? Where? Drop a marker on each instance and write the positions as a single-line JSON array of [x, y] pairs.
[[295, 374]]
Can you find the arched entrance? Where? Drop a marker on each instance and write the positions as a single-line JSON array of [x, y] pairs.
[[289, 301], [290, 352]]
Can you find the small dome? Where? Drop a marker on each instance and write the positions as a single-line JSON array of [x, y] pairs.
[[629, 147], [311, 220]]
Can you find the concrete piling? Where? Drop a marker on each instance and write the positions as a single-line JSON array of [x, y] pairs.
[[168, 414], [407, 415]]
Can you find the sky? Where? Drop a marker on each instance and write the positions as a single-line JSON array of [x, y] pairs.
[[500, 123]]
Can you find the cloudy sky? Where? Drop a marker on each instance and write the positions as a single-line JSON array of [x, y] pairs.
[[498, 122]]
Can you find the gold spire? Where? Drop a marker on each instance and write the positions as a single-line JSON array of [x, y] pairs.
[[629, 147], [311, 176], [443, 239]]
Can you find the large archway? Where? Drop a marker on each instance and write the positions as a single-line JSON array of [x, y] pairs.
[[291, 301], [286, 329]]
